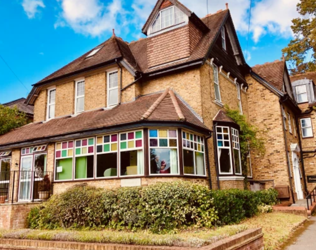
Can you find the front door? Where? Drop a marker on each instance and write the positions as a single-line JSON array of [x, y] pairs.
[[25, 178], [297, 177]]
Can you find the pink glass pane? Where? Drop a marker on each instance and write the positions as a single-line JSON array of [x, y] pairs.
[[84, 142], [90, 150], [70, 144], [27, 150], [194, 137], [58, 154], [43, 148], [113, 138], [172, 133], [139, 143], [64, 145], [131, 136]]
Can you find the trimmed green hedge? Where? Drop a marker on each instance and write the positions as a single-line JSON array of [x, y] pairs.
[[160, 208]]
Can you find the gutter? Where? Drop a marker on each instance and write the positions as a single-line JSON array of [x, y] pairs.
[[215, 155]]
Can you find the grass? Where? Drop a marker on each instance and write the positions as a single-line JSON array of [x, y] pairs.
[[277, 228]]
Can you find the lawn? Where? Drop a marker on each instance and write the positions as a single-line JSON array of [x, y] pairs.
[[277, 227]]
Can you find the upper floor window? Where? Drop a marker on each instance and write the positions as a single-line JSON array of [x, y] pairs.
[[79, 99], [306, 125], [112, 88], [284, 118], [239, 98], [51, 104], [167, 17], [301, 93], [290, 122], [216, 84], [223, 38]]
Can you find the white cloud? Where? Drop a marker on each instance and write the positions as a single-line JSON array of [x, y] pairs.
[[247, 55], [31, 7]]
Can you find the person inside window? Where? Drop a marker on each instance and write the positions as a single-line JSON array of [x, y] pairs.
[[155, 165], [164, 169]]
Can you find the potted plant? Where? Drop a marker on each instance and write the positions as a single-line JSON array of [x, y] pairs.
[[44, 188], [3, 197]]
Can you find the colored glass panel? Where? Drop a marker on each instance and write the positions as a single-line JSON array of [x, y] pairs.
[[58, 154], [91, 141], [139, 143], [64, 153], [70, 144], [99, 148], [99, 140], [139, 134], [172, 142], [153, 142], [58, 146], [131, 136], [106, 147], [123, 145], [78, 151], [162, 133], [114, 147], [123, 137], [84, 142], [78, 143], [153, 133], [131, 144], [65, 145], [27, 151], [163, 142], [172, 133], [90, 150], [70, 152], [106, 139], [84, 150], [114, 138]]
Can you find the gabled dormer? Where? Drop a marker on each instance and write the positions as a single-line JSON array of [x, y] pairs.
[[173, 32]]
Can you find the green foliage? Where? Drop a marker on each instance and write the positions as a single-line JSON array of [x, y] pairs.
[[161, 208], [249, 137], [304, 40], [10, 118]]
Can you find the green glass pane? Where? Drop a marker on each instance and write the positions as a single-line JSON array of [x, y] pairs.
[[66, 167], [163, 142], [78, 151], [81, 168], [123, 145], [139, 134], [91, 141], [191, 137], [64, 153], [107, 148]]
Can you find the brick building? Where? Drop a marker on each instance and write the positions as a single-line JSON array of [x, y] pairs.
[[132, 114], [20, 104]]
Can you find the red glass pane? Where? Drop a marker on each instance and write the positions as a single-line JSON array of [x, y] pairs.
[[131, 136], [84, 142], [58, 154], [70, 144], [64, 145], [139, 143], [90, 150], [113, 138]]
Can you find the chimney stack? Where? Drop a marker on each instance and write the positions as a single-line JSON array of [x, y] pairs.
[[226, 6]]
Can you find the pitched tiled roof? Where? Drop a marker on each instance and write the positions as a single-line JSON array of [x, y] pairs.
[[170, 108], [272, 72], [307, 75], [136, 52], [222, 117], [21, 106]]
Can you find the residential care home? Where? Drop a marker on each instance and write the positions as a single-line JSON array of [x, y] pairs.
[[134, 114]]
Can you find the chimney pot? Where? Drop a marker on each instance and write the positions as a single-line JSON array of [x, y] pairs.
[[226, 6], [113, 32]]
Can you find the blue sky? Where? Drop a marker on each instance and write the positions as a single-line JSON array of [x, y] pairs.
[[40, 36]]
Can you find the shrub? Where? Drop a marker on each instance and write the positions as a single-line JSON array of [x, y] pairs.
[[160, 208]]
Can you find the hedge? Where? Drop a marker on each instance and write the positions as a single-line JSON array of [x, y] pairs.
[[160, 208]]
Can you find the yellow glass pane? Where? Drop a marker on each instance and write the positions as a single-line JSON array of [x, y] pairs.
[[70, 152], [114, 147], [58, 146], [84, 150], [162, 133], [131, 144], [188, 136], [199, 147], [99, 140]]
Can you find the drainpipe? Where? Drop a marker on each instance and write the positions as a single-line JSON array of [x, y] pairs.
[[208, 161], [285, 146], [121, 80], [215, 154]]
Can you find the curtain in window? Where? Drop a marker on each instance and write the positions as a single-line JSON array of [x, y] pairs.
[[199, 161], [140, 162], [173, 161], [81, 168]]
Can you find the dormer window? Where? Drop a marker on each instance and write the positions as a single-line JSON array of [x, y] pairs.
[[93, 52], [166, 18], [223, 38], [301, 93]]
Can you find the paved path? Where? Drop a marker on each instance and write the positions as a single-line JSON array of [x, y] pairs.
[[306, 240]]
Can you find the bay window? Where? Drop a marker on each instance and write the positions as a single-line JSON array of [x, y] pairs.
[[107, 147], [84, 158], [306, 126], [163, 147], [224, 150], [193, 154], [131, 153]]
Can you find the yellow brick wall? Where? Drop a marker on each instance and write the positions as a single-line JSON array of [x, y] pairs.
[[231, 184], [95, 91], [40, 107], [65, 99], [129, 94], [265, 114]]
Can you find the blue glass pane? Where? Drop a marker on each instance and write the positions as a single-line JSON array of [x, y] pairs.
[[219, 137], [220, 143], [153, 133], [183, 134]]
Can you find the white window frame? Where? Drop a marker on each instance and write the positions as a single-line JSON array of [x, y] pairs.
[[239, 98], [311, 127], [216, 82], [81, 96], [108, 88], [167, 147], [224, 147], [75, 156], [5, 159], [49, 104], [223, 35], [236, 141], [93, 52], [290, 122], [193, 150], [301, 93]]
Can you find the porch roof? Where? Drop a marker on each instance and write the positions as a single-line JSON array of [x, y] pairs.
[[158, 107]]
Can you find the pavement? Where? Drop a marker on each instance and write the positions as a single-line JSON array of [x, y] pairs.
[[305, 240]]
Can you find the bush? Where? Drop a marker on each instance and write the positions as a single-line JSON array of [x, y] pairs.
[[160, 208]]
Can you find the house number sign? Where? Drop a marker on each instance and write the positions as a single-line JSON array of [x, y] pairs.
[[311, 178]]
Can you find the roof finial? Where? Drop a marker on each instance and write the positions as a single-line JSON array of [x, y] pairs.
[[283, 57], [113, 32], [227, 6]]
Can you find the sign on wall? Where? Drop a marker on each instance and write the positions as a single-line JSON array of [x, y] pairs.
[[311, 178]]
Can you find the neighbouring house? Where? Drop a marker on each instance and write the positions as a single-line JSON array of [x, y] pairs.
[[20, 104], [134, 114]]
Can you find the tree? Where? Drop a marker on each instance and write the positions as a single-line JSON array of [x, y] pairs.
[[249, 137], [10, 118], [304, 42]]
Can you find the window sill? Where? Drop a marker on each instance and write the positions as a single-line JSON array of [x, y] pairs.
[[308, 137], [231, 178], [219, 103]]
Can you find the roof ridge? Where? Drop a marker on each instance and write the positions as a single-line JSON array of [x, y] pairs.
[[176, 105], [14, 101], [155, 105], [267, 63]]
